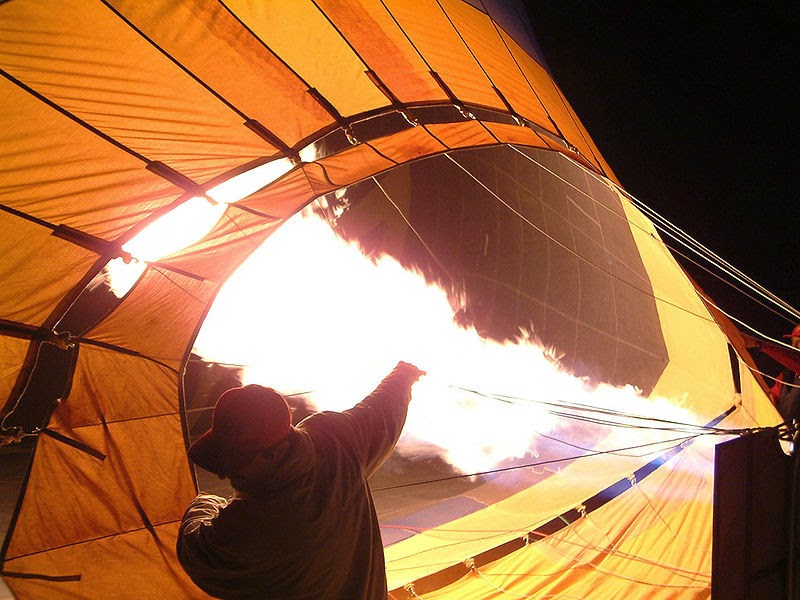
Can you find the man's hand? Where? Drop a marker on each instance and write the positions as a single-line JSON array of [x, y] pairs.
[[412, 371]]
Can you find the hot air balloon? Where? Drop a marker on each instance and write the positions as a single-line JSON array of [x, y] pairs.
[[429, 132]]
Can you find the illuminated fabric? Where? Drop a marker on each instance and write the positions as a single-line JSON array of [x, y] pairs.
[[114, 112]]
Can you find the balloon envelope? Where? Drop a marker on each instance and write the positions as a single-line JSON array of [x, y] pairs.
[[434, 134]]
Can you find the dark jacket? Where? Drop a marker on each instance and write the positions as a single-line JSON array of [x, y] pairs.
[[308, 529], [786, 394]]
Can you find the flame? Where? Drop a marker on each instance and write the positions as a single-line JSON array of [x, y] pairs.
[[175, 230], [309, 313], [187, 223]]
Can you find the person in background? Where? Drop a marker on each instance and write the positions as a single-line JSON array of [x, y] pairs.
[[302, 523], [785, 392]]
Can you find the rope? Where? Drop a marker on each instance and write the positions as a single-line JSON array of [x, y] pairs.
[[576, 406], [680, 441], [563, 246], [680, 236]]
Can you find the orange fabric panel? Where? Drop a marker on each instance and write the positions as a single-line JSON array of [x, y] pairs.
[[36, 267], [371, 30], [131, 566], [301, 35], [422, 141], [434, 36], [158, 317], [282, 198], [485, 43], [594, 157], [236, 235], [556, 106], [317, 178], [73, 497], [514, 134], [12, 351], [352, 164], [462, 135], [408, 145], [84, 58], [208, 40], [58, 171], [299, 187], [138, 389]]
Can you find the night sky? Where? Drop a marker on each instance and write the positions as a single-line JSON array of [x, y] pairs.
[[693, 110]]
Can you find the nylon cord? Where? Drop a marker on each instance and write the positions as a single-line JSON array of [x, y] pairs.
[[668, 227], [681, 441]]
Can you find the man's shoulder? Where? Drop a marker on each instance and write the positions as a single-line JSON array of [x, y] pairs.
[[330, 432], [321, 422]]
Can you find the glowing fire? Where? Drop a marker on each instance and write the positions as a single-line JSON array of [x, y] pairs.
[[172, 232], [187, 223], [309, 313]]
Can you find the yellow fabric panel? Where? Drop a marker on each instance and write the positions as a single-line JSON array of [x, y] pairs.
[[158, 317], [73, 497], [12, 351], [697, 378], [351, 165], [513, 517], [84, 58], [652, 541], [282, 199], [485, 42], [755, 402], [301, 35], [58, 171], [697, 345], [698, 375], [462, 135], [131, 566], [137, 389], [408, 145], [371, 30], [674, 505], [209, 41], [437, 40], [37, 270]]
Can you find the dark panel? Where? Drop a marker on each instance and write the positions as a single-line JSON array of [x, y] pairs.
[[532, 242], [752, 518]]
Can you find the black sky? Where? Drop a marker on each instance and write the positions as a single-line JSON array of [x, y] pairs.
[[692, 105]]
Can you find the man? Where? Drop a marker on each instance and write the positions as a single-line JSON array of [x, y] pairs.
[[786, 391], [302, 523]]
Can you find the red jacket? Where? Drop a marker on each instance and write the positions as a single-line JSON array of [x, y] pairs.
[[307, 530]]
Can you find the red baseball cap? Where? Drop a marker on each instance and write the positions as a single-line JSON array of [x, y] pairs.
[[795, 333], [246, 421]]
